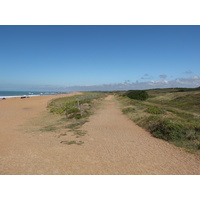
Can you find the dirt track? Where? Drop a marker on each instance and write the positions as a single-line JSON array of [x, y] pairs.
[[113, 145]]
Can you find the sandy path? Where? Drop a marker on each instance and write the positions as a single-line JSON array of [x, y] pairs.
[[121, 147], [113, 145]]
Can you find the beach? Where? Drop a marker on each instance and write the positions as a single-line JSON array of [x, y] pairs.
[[112, 144], [16, 147]]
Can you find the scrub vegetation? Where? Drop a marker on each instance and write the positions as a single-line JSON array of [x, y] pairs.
[[75, 106], [137, 94], [75, 111], [169, 114]]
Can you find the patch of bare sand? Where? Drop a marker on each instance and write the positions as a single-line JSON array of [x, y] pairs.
[[18, 149], [113, 145]]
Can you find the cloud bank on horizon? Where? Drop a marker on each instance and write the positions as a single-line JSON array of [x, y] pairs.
[[191, 82]]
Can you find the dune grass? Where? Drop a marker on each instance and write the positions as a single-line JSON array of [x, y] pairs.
[[64, 128], [184, 99], [174, 118], [75, 111]]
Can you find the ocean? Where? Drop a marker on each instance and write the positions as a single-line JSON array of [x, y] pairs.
[[10, 94]]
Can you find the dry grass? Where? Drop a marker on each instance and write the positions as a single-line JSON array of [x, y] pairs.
[[161, 117]]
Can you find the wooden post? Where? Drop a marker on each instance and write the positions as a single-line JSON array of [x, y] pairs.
[[66, 112], [81, 110]]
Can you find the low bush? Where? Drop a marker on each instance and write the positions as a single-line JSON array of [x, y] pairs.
[[74, 107], [58, 110], [78, 116], [150, 122], [172, 111], [137, 94], [192, 135], [154, 110], [72, 110], [169, 130], [128, 110]]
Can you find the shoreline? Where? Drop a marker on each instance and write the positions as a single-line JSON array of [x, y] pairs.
[[4, 97], [27, 96]]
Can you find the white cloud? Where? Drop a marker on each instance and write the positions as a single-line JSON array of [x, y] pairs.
[[191, 82], [195, 77], [165, 81]]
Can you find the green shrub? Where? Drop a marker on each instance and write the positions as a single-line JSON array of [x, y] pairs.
[[191, 135], [154, 110], [150, 122], [169, 130], [78, 116], [172, 111], [137, 94], [71, 105], [128, 110], [58, 110], [72, 110], [153, 118]]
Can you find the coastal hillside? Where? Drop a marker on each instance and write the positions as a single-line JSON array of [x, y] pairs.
[[169, 114]]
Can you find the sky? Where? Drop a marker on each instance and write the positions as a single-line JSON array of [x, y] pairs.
[[65, 58]]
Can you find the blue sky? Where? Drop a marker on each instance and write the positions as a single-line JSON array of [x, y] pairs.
[[61, 57]]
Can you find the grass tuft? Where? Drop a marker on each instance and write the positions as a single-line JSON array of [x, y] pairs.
[[128, 110], [72, 142], [154, 110], [49, 128]]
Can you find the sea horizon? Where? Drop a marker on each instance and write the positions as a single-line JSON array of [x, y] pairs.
[[11, 94]]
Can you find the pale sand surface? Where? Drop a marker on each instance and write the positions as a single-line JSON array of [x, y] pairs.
[[113, 145]]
